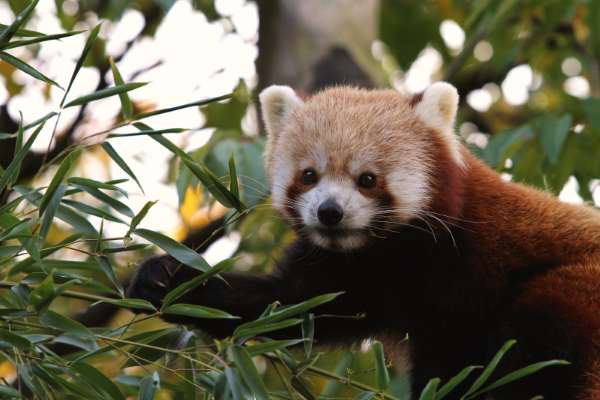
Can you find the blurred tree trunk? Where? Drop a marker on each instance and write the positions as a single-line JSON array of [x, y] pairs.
[[296, 36]]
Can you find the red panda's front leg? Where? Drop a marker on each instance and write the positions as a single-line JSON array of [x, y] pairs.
[[247, 296]]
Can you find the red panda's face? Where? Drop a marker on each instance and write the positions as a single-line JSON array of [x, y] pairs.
[[349, 166]]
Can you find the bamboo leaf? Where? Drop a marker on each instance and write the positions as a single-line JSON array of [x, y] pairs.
[[178, 251], [112, 153], [137, 304], [489, 369], [233, 181], [135, 221], [187, 105], [96, 184], [8, 32], [63, 169], [271, 346], [107, 269], [454, 382], [115, 204], [98, 381], [28, 69], [195, 282], [126, 105], [45, 38], [516, 375], [18, 341], [383, 377], [252, 331], [51, 210], [289, 311], [63, 213], [429, 392], [196, 311], [149, 387], [249, 372], [13, 168], [86, 209], [104, 93], [22, 32], [86, 49]]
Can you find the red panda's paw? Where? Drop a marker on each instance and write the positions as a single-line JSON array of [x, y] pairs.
[[153, 280]]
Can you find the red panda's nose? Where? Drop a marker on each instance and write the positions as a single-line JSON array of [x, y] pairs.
[[330, 212]]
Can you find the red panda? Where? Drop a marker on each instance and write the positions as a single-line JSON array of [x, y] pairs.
[[422, 238]]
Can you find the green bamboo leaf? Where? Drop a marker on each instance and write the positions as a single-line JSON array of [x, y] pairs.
[[40, 120], [333, 388], [18, 341], [178, 251], [149, 387], [112, 153], [383, 377], [41, 297], [292, 310], [28, 69], [63, 169], [126, 105], [75, 333], [195, 282], [187, 105], [7, 33], [86, 49], [63, 213], [429, 392], [234, 382], [51, 210], [86, 209], [96, 184], [21, 43], [454, 382], [148, 132], [22, 32], [97, 380], [14, 166], [252, 331], [233, 180], [137, 304], [9, 392], [122, 249], [115, 204], [489, 369], [135, 221], [196, 311], [218, 190], [104, 93], [308, 333], [249, 373], [107, 269], [271, 346], [366, 396], [516, 375], [553, 134]]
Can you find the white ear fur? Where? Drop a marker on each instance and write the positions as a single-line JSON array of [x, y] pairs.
[[277, 102], [437, 109]]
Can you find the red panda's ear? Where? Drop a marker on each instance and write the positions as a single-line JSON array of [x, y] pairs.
[[277, 102], [437, 108]]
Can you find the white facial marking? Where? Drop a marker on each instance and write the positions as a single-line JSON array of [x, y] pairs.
[[357, 208]]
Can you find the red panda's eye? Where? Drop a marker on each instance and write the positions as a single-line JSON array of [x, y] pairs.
[[366, 180], [309, 176]]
